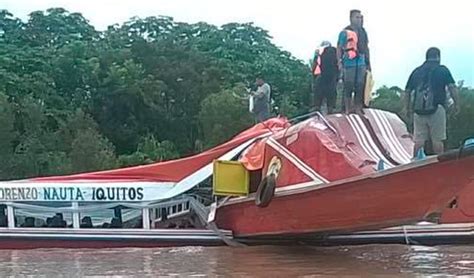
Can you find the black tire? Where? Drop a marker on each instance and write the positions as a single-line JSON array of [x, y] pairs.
[[265, 191]]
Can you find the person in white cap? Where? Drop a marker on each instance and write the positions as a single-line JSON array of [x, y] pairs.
[[325, 73]]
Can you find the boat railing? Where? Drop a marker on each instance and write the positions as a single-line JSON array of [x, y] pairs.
[[175, 208], [151, 213]]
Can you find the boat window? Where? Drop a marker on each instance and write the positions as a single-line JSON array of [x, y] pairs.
[[3, 216], [27, 218], [113, 218]]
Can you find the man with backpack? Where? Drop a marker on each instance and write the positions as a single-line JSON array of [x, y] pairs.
[[325, 73], [426, 98]]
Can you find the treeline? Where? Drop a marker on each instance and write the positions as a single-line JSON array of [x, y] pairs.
[[74, 99]]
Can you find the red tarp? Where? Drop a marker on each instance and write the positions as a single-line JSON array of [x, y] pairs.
[[175, 170], [334, 148]]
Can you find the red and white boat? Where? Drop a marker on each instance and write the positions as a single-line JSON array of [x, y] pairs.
[[328, 179], [331, 174]]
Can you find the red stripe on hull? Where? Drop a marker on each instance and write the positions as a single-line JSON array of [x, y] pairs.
[[96, 244]]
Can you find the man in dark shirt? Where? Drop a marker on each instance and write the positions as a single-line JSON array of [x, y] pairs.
[[432, 125], [325, 73]]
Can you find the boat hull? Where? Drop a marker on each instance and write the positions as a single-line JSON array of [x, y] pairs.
[[420, 234], [31, 238], [402, 195], [463, 210]]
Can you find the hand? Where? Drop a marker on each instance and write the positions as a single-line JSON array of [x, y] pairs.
[[457, 109], [404, 112], [340, 78], [407, 112]]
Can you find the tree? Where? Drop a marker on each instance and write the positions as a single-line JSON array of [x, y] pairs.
[[7, 135], [222, 115], [460, 127], [150, 89], [150, 150], [90, 151]]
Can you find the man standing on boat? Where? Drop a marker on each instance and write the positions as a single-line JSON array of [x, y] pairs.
[[427, 101], [354, 60], [325, 73], [262, 100]]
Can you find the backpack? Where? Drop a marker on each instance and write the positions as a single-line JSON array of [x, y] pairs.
[[423, 99]]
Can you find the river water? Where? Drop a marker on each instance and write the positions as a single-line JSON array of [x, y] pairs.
[[260, 261]]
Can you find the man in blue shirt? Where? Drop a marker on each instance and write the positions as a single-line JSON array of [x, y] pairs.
[[354, 61], [431, 81]]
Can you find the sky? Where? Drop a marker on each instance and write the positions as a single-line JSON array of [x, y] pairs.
[[399, 31]]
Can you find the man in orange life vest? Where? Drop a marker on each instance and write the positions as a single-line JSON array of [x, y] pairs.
[[325, 73], [354, 61]]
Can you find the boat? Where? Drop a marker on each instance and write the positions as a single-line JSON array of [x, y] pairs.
[[155, 205], [340, 174], [277, 181]]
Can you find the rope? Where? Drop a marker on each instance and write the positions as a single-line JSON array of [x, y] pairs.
[[405, 234]]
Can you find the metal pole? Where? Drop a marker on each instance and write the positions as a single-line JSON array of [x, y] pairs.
[[75, 216], [11, 217], [146, 218]]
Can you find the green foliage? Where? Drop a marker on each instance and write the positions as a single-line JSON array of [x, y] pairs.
[[390, 99], [461, 126], [150, 150], [75, 99], [90, 151], [287, 107], [223, 115]]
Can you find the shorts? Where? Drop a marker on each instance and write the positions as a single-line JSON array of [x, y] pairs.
[[431, 126]]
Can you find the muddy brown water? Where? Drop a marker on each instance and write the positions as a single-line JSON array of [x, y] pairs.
[[260, 261]]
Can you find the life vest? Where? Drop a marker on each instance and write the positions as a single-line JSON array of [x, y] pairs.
[[351, 45], [317, 68]]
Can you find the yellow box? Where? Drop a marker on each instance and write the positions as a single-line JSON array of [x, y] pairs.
[[230, 178]]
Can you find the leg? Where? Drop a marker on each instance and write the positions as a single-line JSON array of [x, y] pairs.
[[317, 93], [420, 131], [330, 109], [347, 103], [418, 146], [438, 147], [349, 84], [359, 88], [265, 114], [331, 95], [437, 123]]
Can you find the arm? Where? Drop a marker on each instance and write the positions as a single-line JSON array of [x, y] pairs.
[[406, 95], [339, 57], [406, 100], [453, 90], [367, 55], [340, 50]]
